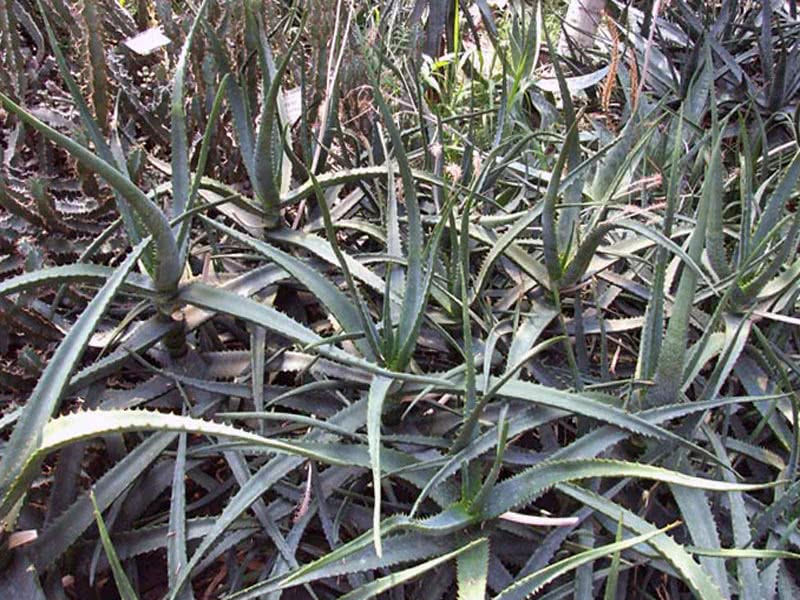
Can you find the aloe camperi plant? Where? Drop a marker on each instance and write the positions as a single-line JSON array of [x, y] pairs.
[[464, 318]]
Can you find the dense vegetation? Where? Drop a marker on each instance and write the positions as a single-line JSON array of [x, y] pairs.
[[328, 298]]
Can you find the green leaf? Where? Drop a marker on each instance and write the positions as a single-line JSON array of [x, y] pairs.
[[669, 374], [415, 294], [473, 571], [695, 510], [176, 543], [527, 485], [772, 212], [526, 586], [205, 146], [350, 418], [46, 396], [383, 584], [695, 577], [354, 557], [168, 269], [610, 592], [88, 424], [74, 274], [588, 407], [179, 152], [378, 391], [123, 585], [75, 520], [716, 190], [264, 171], [216, 299], [746, 570], [550, 241], [354, 175], [321, 287]]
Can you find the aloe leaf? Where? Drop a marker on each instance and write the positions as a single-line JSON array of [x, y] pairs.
[[44, 400], [331, 254], [528, 332], [695, 510], [526, 586], [352, 175], [588, 407], [124, 587], [501, 246], [241, 472], [477, 502], [737, 333], [695, 577], [92, 128], [758, 287], [242, 123], [395, 278], [383, 584], [652, 332], [176, 544], [715, 234], [586, 251], [618, 164], [75, 520], [74, 274], [152, 330], [746, 570], [352, 558], [744, 553], [350, 418], [406, 349], [378, 391], [340, 306], [415, 296], [215, 299], [480, 445], [179, 151], [365, 319], [256, 486], [473, 571], [669, 374], [550, 243], [205, 146], [514, 252], [263, 169], [168, 269], [522, 488], [505, 496], [470, 409], [84, 425], [78, 426], [476, 409], [697, 95], [567, 221], [611, 591]]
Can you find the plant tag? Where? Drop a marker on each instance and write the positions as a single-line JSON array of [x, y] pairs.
[[148, 41]]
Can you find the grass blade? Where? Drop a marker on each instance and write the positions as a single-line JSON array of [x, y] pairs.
[[124, 587]]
